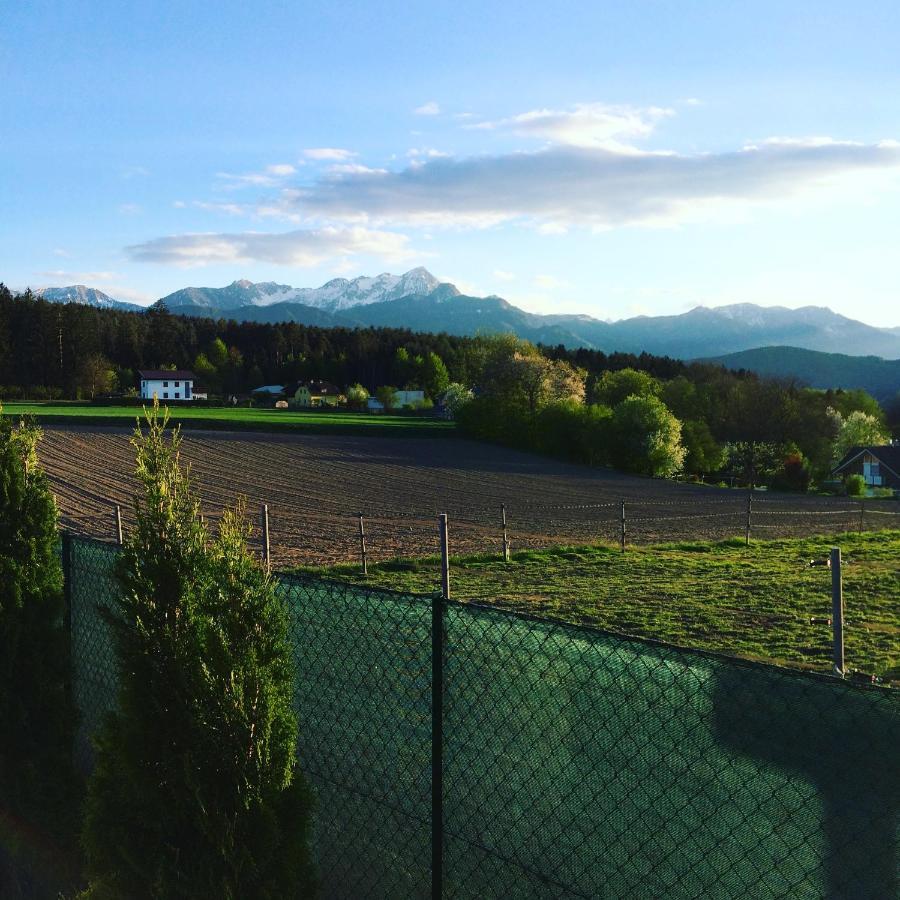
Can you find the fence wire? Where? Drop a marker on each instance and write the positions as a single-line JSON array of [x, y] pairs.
[[575, 763]]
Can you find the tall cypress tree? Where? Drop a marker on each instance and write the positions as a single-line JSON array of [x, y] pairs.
[[38, 788], [196, 791]]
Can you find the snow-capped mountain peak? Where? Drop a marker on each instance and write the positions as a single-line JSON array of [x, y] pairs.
[[80, 293], [333, 296]]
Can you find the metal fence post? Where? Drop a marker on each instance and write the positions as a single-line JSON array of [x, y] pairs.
[[265, 535], [749, 512], [622, 529], [438, 639], [505, 533], [363, 555], [445, 556], [837, 611], [120, 537]]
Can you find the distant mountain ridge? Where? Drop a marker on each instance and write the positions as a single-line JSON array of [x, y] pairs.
[[418, 301], [880, 377]]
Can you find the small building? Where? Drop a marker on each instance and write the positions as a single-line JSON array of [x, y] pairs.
[[402, 400], [162, 384], [313, 393], [878, 465], [269, 390]]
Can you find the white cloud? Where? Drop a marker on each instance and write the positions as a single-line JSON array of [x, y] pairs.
[[59, 251], [293, 248], [600, 188], [426, 152], [230, 209], [268, 177], [584, 125], [431, 108], [130, 209], [281, 169], [332, 153], [503, 275]]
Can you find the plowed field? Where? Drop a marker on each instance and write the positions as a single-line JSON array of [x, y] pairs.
[[316, 485]]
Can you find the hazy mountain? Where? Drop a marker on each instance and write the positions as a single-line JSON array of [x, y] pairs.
[[880, 377], [79, 293]]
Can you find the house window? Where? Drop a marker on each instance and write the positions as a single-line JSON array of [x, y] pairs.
[[187, 390], [177, 384], [165, 384], [177, 395], [165, 394]]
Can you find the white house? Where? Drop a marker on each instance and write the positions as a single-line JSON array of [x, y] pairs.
[[402, 400], [175, 385]]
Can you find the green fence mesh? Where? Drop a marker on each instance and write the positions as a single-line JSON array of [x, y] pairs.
[[575, 763]]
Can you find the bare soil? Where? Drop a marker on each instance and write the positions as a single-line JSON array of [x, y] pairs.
[[315, 486]]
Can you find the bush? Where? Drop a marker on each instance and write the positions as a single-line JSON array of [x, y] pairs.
[[647, 437], [855, 485], [196, 791]]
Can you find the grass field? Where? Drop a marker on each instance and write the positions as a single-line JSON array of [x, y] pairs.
[[754, 601], [239, 418]]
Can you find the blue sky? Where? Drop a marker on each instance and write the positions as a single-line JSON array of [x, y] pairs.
[[603, 158]]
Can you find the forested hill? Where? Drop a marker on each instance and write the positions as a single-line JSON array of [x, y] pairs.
[[880, 377]]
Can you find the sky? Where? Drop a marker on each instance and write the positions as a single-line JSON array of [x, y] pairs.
[[605, 158]]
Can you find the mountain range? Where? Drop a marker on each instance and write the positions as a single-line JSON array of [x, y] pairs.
[[419, 301]]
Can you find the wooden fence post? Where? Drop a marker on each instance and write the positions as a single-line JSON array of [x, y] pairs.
[[837, 612], [265, 536], [862, 513], [120, 537], [622, 529], [363, 554], [749, 512], [505, 534]]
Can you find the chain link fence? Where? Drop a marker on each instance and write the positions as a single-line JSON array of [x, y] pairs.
[[468, 752]]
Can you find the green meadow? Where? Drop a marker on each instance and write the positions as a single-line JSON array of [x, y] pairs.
[[762, 602]]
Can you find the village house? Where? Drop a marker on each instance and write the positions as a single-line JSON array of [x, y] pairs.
[[161, 384], [878, 465], [313, 393]]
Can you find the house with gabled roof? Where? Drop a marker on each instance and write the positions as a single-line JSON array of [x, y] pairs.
[[878, 465]]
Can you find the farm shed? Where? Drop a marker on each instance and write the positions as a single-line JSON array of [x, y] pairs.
[[162, 384], [879, 465]]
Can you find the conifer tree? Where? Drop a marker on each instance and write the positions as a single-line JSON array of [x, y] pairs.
[[196, 791], [38, 787]]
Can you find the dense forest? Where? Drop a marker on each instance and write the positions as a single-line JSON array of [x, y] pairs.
[[557, 400]]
